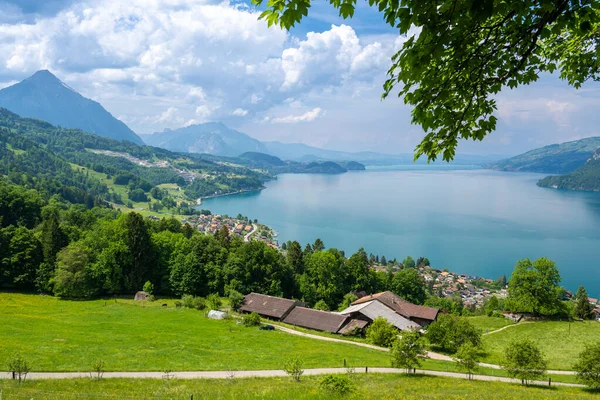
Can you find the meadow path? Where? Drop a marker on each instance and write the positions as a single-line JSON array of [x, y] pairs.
[[266, 374], [430, 354]]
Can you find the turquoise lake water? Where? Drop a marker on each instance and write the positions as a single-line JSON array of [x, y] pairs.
[[473, 221]]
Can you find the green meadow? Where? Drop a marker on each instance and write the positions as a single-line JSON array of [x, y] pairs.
[[561, 342], [364, 387], [62, 335]]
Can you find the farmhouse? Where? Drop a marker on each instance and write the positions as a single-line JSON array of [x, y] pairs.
[[404, 311], [316, 319], [271, 307]]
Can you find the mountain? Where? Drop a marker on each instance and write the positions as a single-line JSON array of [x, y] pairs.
[[217, 139], [45, 97], [586, 177], [554, 159], [211, 138]]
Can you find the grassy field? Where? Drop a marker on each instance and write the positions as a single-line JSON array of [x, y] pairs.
[[489, 324], [371, 386], [59, 335], [560, 346]]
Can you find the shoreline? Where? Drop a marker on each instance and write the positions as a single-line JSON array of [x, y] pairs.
[[213, 196]]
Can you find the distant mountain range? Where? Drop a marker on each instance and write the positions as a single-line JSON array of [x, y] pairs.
[[44, 96], [218, 139], [554, 159]]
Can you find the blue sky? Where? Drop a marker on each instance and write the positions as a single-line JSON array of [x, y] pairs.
[[159, 64]]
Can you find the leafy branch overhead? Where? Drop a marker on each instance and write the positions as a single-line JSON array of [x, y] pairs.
[[458, 54]]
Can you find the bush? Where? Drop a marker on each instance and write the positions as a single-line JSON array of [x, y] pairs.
[[449, 332], [148, 287], [588, 366], [214, 301], [252, 319], [336, 384], [151, 298], [321, 305], [190, 301], [381, 333], [293, 368], [19, 367], [236, 299], [98, 368]]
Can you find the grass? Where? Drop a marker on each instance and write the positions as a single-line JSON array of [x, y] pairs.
[[371, 386], [489, 324], [560, 347], [60, 335]]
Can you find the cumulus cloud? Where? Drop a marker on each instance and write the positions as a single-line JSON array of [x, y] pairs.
[[293, 119], [239, 112]]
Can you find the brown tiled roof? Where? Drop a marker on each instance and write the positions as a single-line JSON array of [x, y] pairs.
[[315, 319], [353, 324], [401, 306], [268, 306]]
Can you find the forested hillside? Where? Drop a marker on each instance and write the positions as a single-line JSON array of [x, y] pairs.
[[586, 177], [78, 160], [554, 159]]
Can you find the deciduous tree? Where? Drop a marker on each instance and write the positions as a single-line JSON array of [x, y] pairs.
[[524, 360], [459, 54]]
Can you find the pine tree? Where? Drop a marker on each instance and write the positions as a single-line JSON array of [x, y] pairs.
[[383, 260], [583, 308]]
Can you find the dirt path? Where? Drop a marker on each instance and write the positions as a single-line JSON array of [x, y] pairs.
[[506, 327], [264, 374], [430, 354]]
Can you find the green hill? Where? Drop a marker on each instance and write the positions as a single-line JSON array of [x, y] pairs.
[[262, 159], [554, 159], [586, 177], [64, 161]]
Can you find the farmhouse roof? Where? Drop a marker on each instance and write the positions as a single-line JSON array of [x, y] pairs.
[[269, 306], [316, 319], [401, 306], [373, 309], [352, 325]]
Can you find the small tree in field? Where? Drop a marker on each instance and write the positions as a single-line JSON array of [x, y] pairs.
[[98, 369], [467, 358], [19, 367], [588, 366], [293, 367], [524, 360], [407, 351], [381, 333]]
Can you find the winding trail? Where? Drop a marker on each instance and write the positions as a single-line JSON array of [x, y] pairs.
[[430, 354], [266, 374], [254, 229]]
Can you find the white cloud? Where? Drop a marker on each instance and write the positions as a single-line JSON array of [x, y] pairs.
[[293, 119], [239, 112]]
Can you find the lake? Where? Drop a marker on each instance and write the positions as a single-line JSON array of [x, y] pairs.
[[472, 221]]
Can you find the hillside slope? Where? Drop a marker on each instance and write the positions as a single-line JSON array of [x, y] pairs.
[[586, 177], [45, 97], [554, 159]]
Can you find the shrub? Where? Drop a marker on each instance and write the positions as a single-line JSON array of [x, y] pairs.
[[588, 366], [236, 299], [321, 305], [524, 360], [252, 319], [148, 287], [336, 384], [151, 298], [19, 367], [214, 301], [293, 367], [178, 304], [190, 301], [381, 333]]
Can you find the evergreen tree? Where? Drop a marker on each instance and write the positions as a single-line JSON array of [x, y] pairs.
[[318, 245], [383, 260], [295, 258], [583, 308]]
